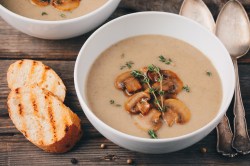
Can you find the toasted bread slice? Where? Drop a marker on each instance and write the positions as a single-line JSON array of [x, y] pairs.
[[43, 119], [29, 72]]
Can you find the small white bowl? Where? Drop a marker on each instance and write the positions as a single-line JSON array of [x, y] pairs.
[[62, 29], [162, 24]]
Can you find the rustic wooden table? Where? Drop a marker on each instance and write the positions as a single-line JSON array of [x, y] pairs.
[[61, 56]]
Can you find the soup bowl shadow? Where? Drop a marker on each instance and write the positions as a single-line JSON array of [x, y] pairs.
[[158, 23], [62, 29]]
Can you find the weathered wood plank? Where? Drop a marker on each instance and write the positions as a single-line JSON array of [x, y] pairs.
[[17, 45], [17, 151]]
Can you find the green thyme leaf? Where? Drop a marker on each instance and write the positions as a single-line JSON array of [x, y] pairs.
[[186, 88], [161, 92], [111, 101], [164, 60], [152, 134], [63, 15], [136, 74], [152, 90], [44, 13], [208, 73], [168, 62], [128, 65]]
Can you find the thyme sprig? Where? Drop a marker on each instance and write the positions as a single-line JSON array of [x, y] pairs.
[[44, 13], [63, 15], [164, 60], [186, 88], [209, 73], [153, 68], [145, 79], [152, 134], [128, 65], [112, 102]]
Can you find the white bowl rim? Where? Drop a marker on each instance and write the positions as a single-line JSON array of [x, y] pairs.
[[149, 140], [53, 22]]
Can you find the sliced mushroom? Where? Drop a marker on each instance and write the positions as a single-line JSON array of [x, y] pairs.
[[178, 84], [128, 83], [41, 3], [138, 103], [65, 5], [151, 121], [176, 112], [171, 83]]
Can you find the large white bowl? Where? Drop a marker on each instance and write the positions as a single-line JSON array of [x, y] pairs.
[[62, 29], [162, 24]]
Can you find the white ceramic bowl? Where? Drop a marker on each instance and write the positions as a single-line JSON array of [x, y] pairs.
[[62, 29], [163, 24]]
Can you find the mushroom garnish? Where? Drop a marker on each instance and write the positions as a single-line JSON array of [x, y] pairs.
[[128, 83], [151, 121], [65, 5], [176, 112], [153, 98], [171, 83], [40, 2], [138, 103], [145, 79]]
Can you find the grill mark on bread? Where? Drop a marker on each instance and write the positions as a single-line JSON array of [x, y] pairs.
[[17, 90], [21, 111], [34, 102], [44, 75], [32, 68], [20, 63], [51, 117], [19, 66], [20, 106]]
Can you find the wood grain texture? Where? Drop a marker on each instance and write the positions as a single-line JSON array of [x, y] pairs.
[[61, 55]]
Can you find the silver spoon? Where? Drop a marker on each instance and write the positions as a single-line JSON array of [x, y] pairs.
[[199, 12], [232, 28]]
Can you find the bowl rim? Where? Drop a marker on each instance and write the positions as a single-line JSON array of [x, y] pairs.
[[85, 108], [53, 22]]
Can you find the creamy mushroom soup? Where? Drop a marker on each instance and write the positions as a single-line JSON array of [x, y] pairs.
[[154, 86], [49, 11]]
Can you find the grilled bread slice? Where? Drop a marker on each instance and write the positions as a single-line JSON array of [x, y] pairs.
[[30, 72], [43, 119]]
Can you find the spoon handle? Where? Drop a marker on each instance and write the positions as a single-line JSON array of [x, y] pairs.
[[241, 141], [224, 138]]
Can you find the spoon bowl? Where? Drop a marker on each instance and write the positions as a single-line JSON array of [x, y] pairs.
[[233, 29], [198, 11]]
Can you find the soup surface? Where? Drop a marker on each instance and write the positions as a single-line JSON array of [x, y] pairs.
[[26, 9], [203, 96]]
